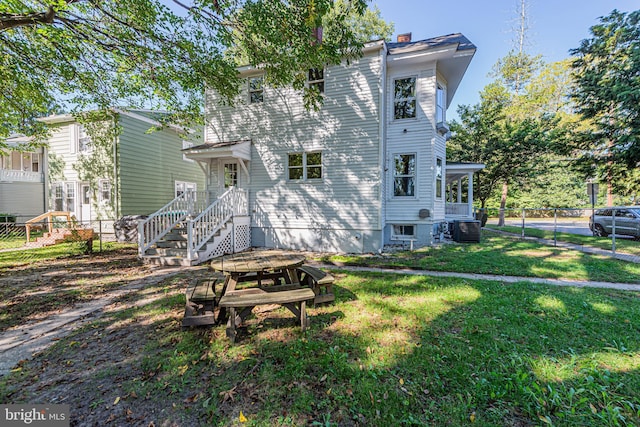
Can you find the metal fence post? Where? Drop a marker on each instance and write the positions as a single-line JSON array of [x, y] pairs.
[[100, 230], [523, 216], [613, 231], [555, 226]]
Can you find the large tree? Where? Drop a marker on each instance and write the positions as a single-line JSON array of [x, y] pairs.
[[606, 91], [74, 54]]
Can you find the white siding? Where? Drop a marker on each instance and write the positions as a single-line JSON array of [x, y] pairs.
[[23, 199], [346, 130], [412, 136]]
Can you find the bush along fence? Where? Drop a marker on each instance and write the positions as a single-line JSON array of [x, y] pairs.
[[617, 228]]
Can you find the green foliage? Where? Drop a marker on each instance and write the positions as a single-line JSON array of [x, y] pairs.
[[607, 88], [56, 55]]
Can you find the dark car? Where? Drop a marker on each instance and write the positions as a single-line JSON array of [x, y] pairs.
[[627, 221]]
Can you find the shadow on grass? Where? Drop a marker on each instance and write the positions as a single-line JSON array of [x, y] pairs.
[[392, 350]]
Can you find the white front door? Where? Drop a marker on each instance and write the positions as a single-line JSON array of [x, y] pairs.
[[85, 203]]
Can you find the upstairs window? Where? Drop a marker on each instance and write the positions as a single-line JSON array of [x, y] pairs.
[[305, 166], [84, 140], [440, 104], [316, 79], [256, 89], [404, 175], [404, 98]]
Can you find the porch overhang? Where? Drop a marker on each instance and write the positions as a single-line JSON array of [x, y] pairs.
[[456, 171], [240, 150]]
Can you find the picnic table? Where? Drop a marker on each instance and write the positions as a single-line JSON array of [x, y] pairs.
[[280, 268]]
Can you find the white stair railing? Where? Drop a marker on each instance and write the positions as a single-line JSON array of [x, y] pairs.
[[161, 222], [203, 227]]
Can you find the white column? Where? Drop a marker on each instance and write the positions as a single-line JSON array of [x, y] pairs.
[[459, 190], [470, 193]]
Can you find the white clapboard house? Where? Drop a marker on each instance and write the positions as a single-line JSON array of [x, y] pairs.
[[368, 169]]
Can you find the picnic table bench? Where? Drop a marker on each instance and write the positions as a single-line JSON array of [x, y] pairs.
[[318, 280], [200, 305], [246, 299]]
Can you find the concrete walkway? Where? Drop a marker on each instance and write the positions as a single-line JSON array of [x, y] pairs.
[[22, 342], [492, 277]]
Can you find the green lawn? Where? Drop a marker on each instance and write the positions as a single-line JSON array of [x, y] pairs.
[[503, 255], [627, 246], [392, 350]]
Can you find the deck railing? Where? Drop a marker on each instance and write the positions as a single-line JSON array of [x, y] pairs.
[[458, 209], [20, 176], [202, 228], [70, 221], [161, 222]]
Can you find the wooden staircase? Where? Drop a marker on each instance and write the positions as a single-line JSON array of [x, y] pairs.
[[172, 249]]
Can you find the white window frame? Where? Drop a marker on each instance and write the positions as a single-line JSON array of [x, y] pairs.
[[305, 166], [259, 90], [319, 82], [413, 98], [58, 196], [403, 236], [414, 175], [70, 196], [438, 175], [104, 185], [231, 176], [182, 186], [85, 147], [441, 101]]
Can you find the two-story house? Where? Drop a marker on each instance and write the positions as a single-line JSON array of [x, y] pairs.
[[116, 166], [367, 169], [22, 178]]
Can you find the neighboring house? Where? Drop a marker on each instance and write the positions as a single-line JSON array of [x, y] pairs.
[[368, 169], [116, 166], [22, 180]]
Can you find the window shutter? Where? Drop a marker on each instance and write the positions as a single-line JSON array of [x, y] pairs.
[[73, 138]]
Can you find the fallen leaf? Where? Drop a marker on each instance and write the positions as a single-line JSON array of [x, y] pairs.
[[242, 418], [111, 418], [182, 369], [401, 381], [115, 402], [593, 408], [472, 417], [324, 377], [228, 395]]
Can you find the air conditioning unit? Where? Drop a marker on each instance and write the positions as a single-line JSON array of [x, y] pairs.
[[466, 231]]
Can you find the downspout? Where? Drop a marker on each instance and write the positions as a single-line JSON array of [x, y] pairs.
[[116, 181], [383, 144], [45, 176]]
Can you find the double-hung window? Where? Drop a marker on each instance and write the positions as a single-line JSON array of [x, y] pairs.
[[305, 166], [256, 89], [316, 79], [404, 175], [70, 196], [58, 196], [105, 190], [84, 140], [404, 98]]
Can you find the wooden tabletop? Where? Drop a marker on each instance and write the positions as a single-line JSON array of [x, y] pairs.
[[247, 262]]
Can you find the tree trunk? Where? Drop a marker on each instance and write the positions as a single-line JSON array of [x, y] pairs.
[[503, 203]]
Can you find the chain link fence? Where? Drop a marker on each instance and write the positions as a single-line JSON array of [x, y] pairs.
[[615, 230], [28, 242]]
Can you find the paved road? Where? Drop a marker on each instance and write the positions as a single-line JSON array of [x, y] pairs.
[[580, 227]]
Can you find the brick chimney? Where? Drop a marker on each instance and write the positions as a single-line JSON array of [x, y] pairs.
[[404, 38]]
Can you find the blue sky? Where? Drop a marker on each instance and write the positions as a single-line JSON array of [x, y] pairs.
[[555, 26]]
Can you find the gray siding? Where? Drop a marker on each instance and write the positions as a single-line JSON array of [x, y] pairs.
[[343, 210], [23, 199], [149, 164]]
